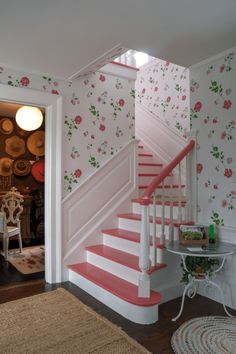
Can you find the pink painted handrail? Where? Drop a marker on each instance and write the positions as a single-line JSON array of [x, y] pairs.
[[146, 198]]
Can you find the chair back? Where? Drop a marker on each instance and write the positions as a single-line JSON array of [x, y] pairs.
[[12, 206]]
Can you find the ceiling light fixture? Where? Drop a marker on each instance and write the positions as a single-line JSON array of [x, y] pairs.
[[29, 118]]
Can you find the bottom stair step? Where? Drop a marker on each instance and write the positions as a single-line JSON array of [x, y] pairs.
[[116, 293]]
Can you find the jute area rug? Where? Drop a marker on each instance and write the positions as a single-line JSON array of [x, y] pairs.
[[57, 322], [206, 335], [31, 260]]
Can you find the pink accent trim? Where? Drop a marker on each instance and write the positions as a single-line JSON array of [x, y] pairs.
[[124, 65], [147, 155], [150, 164], [169, 168], [159, 202], [117, 286], [166, 186], [137, 217], [128, 235]]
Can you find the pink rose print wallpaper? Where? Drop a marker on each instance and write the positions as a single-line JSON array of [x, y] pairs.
[[213, 115], [98, 118], [163, 88]]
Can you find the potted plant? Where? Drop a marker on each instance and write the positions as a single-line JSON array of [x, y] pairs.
[[198, 267]]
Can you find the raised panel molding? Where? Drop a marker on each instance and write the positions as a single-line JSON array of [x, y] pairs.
[[96, 202]]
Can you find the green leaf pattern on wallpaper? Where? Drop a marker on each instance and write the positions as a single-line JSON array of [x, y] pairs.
[[213, 114]]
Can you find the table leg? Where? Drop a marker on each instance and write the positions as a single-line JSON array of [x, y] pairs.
[[191, 294], [209, 282]]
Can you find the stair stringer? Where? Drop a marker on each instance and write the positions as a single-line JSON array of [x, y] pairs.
[[95, 204], [159, 139]]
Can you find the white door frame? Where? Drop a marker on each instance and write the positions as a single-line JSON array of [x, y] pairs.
[[53, 176]]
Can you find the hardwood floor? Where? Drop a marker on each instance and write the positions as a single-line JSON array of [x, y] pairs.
[[156, 337]]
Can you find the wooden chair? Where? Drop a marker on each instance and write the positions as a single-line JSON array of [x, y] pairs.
[[12, 207]]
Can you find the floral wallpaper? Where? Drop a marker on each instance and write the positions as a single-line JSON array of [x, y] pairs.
[[163, 88], [213, 114], [98, 118]]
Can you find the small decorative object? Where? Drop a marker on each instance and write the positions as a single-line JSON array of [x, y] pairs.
[[192, 235], [211, 233], [35, 143], [6, 126], [21, 167], [5, 166], [15, 146], [37, 171], [29, 118]]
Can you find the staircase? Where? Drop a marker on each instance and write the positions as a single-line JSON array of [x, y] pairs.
[[113, 272]]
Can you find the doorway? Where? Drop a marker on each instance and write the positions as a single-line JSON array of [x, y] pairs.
[[53, 127]]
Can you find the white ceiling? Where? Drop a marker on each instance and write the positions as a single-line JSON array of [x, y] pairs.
[[59, 37]]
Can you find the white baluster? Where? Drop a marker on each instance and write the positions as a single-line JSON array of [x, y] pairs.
[[144, 264], [180, 217], [188, 202], [154, 240], [171, 226], [162, 238]]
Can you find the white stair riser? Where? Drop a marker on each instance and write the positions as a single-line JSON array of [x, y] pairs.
[[146, 159], [175, 192], [149, 169], [128, 246], [137, 210], [134, 225], [134, 313], [146, 180], [114, 268]]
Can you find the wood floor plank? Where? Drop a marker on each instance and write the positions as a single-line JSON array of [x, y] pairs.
[[155, 337]]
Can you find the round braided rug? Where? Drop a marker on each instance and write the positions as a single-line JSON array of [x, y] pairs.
[[206, 335]]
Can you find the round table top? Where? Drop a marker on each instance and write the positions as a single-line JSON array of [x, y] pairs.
[[218, 249]]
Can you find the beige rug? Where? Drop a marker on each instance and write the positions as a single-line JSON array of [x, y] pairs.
[[31, 260], [57, 322]]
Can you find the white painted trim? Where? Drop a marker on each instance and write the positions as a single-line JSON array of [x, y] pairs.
[[87, 68], [224, 233], [213, 58], [134, 313], [163, 142], [53, 124], [86, 211], [106, 163], [119, 71], [174, 133]]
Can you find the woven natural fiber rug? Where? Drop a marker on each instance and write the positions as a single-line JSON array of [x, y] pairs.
[[31, 260], [206, 335], [56, 322]]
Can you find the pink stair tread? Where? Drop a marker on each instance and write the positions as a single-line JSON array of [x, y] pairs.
[[137, 217], [127, 235], [167, 186], [124, 258], [158, 202], [117, 286], [145, 155], [150, 164]]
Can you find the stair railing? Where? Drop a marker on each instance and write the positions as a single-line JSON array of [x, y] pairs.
[[148, 244]]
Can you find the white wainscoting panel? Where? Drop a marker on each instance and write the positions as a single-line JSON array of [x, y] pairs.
[[95, 204]]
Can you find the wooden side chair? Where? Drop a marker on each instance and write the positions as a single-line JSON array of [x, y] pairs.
[[12, 207]]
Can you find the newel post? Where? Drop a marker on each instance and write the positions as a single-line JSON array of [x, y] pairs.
[[144, 262]]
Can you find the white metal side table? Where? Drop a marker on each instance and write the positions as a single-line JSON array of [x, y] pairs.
[[219, 250]]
